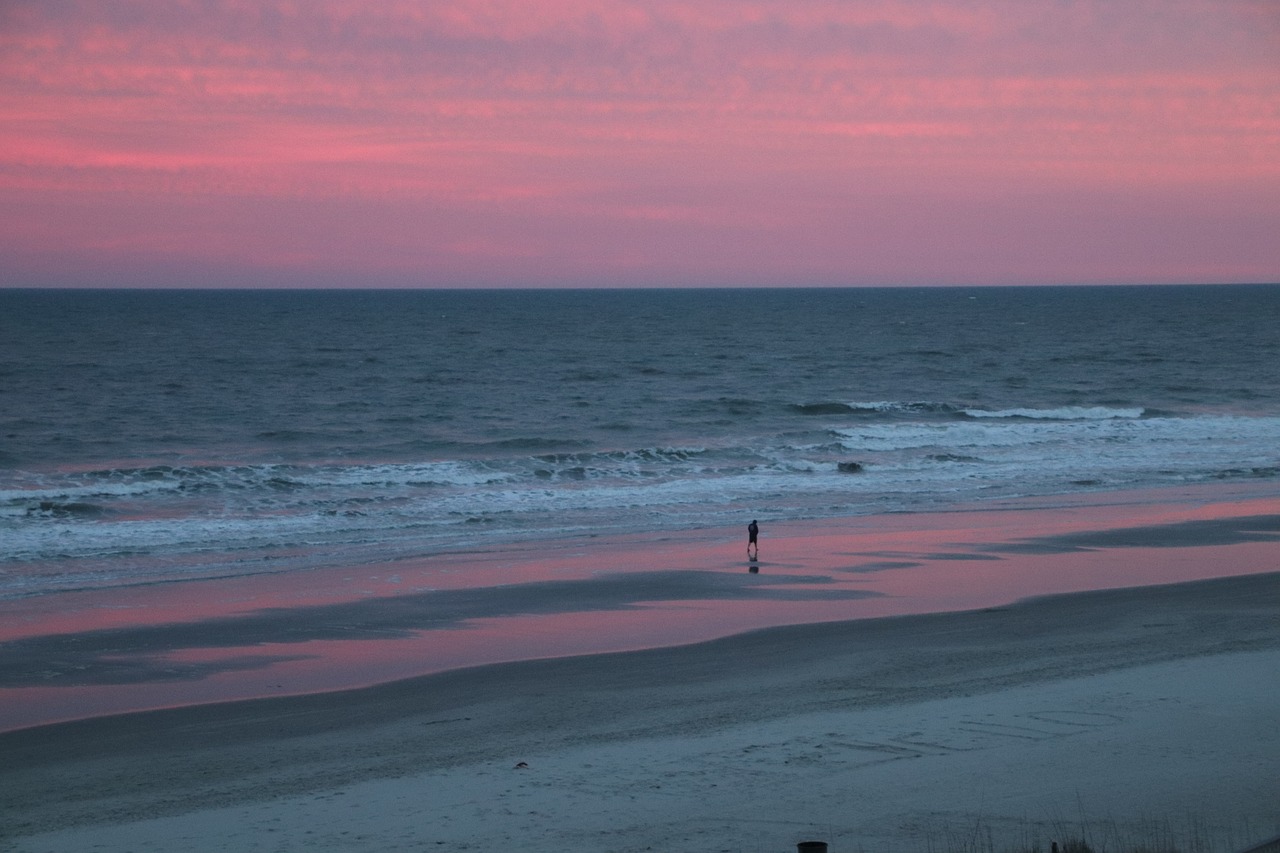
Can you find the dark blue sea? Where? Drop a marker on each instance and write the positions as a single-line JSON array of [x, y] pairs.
[[153, 436]]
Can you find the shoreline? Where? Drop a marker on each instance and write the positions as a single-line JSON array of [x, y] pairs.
[[787, 690], [981, 679], [78, 656]]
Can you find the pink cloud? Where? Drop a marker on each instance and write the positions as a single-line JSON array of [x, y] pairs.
[[639, 143]]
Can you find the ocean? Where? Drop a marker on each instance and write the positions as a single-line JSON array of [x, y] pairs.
[[160, 436]]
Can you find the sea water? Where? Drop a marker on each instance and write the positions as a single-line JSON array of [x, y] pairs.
[[155, 436]]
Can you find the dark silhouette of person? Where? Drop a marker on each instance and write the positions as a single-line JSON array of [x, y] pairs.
[[753, 533]]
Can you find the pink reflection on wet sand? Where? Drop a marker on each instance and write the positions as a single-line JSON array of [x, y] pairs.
[[909, 564]]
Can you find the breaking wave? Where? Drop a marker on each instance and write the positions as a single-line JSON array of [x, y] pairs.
[[1063, 413]]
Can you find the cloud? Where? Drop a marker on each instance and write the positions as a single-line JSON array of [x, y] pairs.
[[581, 133]]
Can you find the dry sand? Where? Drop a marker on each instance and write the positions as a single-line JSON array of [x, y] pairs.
[[1147, 714]]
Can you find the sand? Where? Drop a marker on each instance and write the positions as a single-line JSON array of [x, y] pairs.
[[1122, 715]]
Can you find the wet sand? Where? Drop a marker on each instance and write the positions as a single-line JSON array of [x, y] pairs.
[[85, 654], [1117, 710], [1142, 713]]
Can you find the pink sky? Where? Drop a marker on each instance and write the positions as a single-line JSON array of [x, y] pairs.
[[576, 143]]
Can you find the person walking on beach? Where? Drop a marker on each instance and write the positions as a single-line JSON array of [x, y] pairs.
[[753, 533]]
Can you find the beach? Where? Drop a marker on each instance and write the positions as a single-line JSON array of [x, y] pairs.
[[667, 427], [1124, 712]]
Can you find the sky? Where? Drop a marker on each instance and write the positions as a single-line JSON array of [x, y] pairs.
[[584, 143]]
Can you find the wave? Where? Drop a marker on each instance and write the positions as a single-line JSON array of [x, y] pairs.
[[1062, 413], [821, 408], [1147, 438], [1258, 471], [952, 457], [71, 495], [926, 407], [176, 520], [878, 407], [900, 409], [69, 509], [532, 443]]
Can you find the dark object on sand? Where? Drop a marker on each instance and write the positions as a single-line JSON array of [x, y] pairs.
[[811, 847]]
